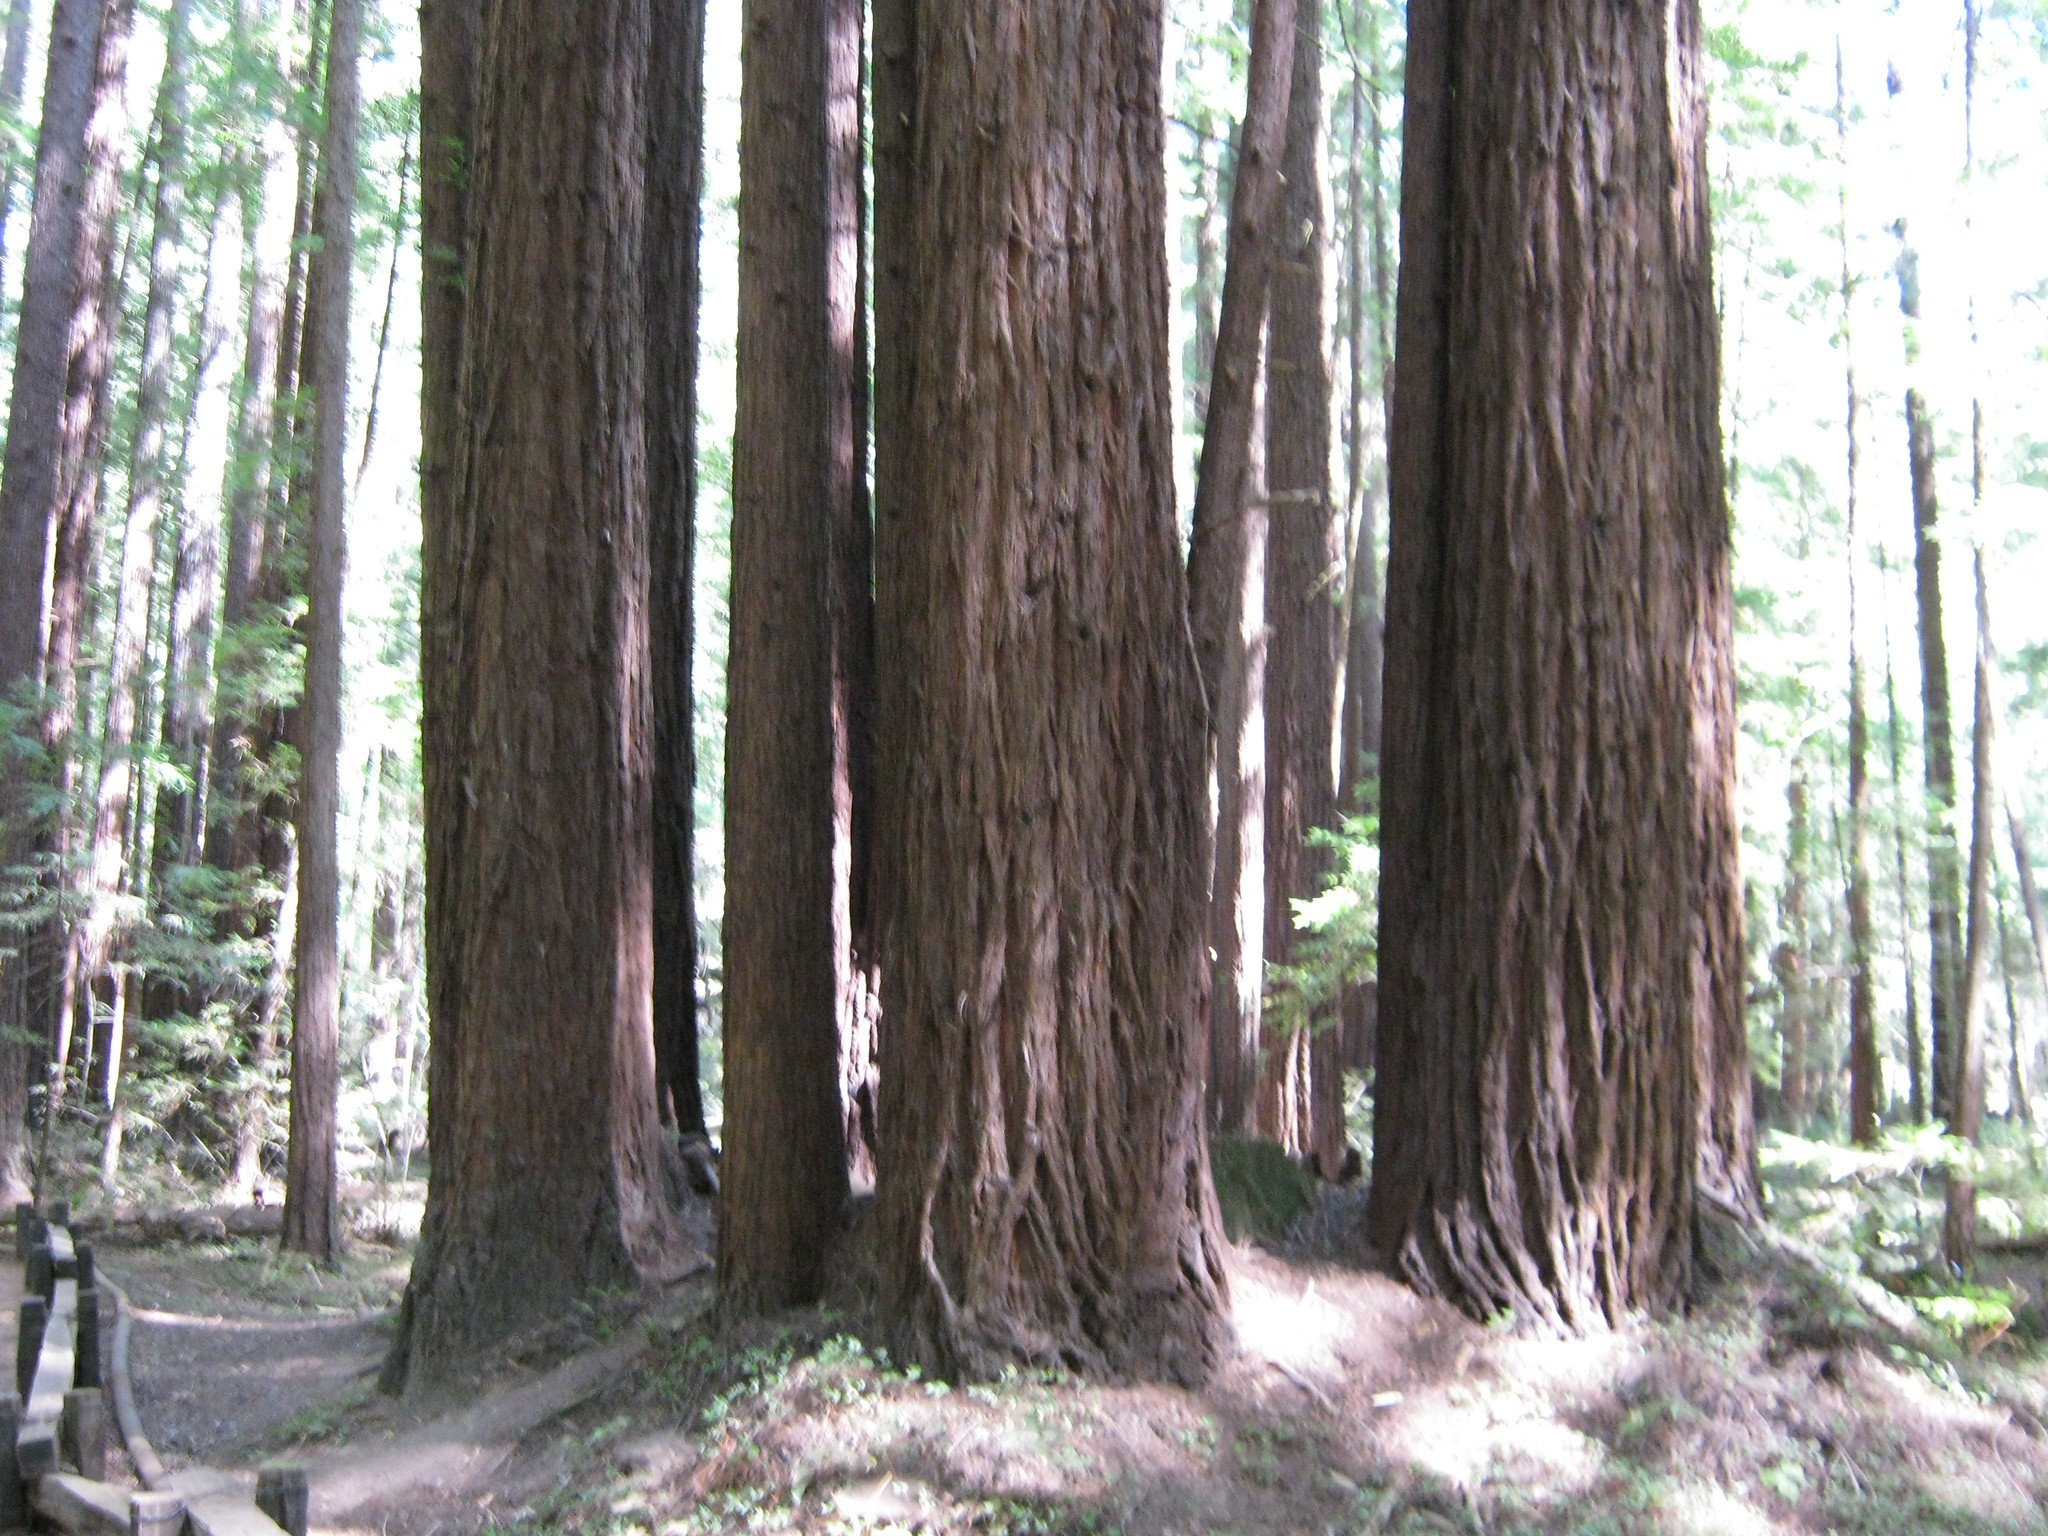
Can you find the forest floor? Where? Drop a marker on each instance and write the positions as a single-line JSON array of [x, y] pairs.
[[1797, 1394]]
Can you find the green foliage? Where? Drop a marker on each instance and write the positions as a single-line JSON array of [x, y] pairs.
[[1262, 1191], [1339, 927]]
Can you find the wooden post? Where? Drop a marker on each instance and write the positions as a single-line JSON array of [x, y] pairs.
[[283, 1494], [24, 1228], [87, 1272], [28, 1341], [156, 1514], [85, 1368], [13, 1494], [60, 1213], [41, 1272], [85, 1431]]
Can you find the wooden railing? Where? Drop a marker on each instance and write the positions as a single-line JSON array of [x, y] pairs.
[[54, 1435]]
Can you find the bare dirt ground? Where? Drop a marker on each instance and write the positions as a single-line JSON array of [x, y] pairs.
[[1792, 1401]]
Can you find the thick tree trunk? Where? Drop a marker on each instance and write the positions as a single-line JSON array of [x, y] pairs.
[[1227, 583], [792, 720], [546, 933], [312, 1205], [451, 41], [1554, 833], [1044, 1192], [1301, 1093], [675, 168]]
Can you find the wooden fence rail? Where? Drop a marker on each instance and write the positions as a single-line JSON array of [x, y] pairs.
[[54, 1431]]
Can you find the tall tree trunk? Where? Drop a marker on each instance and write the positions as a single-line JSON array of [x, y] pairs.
[[149, 467], [1044, 1192], [675, 167], [546, 937], [1865, 1066], [1959, 1226], [791, 721], [1366, 343], [1226, 581], [1944, 870], [1538, 1122], [13, 79], [1793, 960], [2019, 1106], [2030, 893], [1301, 1094], [451, 42], [312, 1205], [1916, 1073]]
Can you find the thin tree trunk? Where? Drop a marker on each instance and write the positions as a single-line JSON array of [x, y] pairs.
[[1043, 1191], [1865, 1067], [390, 307], [13, 79], [2018, 1106], [312, 1206], [1916, 1071], [1301, 1093], [2030, 893], [1959, 1227], [675, 160], [1793, 959], [1227, 610], [545, 935]]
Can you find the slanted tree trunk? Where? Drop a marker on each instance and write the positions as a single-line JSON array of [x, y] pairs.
[[546, 936], [1301, 1094], [2019, 1106], [1044, 1192], [791, 719], [1551, 841], [675, 168], [1227, 583], [312, 1205], [2030, 893]]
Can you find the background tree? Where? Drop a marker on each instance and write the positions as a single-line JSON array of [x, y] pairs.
[[791, 722], [311, 1198]]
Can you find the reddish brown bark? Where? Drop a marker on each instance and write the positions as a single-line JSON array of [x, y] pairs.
[[675, 162], [1301, 1094], [1043, 1191], [312, 1209], [1556, 713], [792, 718], [1227, 582], [545, 937]]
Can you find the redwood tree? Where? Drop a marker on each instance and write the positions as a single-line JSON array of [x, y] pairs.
[[1043, 1192], [1301, 1097], [675, 175], [311, 1199], [1556, 658], [792, 720], [544, 933]]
